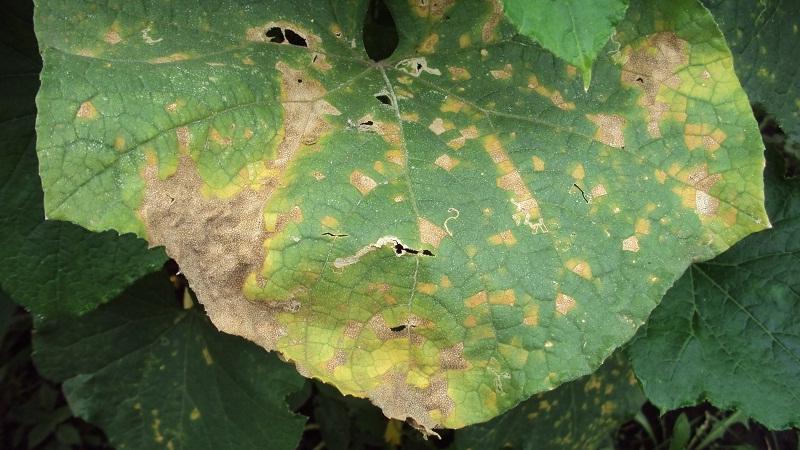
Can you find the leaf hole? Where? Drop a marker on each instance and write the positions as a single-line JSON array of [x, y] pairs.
[[295, 39], [383, 98], [379, 32], [275, 34], [398, 328]]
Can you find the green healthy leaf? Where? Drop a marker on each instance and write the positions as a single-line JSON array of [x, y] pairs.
[[49, 267], [446, 232], [728, 331], [764, 37], [155, 375], [582, 414], [573, 30]]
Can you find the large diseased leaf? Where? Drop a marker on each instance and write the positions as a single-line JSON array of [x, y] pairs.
[[154, 375], [582, 414], [445, 232], [728, 330], [49, 267], [572, 29], [764, 37]]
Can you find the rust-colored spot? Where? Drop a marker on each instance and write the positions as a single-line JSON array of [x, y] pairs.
[[610, 129], [564, 303]]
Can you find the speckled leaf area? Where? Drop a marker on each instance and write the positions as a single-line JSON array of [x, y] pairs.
[[445, 232]]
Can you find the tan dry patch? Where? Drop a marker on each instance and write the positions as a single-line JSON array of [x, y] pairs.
[[704, 203], [363, 183], [458, 73], [510, 180], [446, 162], [175, 57], [352, 329], [438, 127], [502, 74], [428, 45], [599, 191], [564, 304], [487, 31], [401, 401], [651, 67], [339, 359], [184, 137], [610, 129], [431, 8], [396, 157], [86, 111], [631, 244], [452, 358], [429, 233], [112, 37], [219, 242]]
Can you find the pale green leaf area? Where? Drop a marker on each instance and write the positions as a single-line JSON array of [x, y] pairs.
[[727, 332], [582, 414], [764, 37], [446, 232], [154, 375], [49, 267], [574, 30]]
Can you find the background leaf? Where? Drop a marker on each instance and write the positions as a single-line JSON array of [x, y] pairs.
[[765, 40], [573, 30], [582, 414], [155, 375], [728, 330], [49, 267]]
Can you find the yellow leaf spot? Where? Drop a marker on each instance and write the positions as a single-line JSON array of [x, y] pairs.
[[170, 58], [470, 321], [445, 282], [363, 183], [426, 288], [396, 157], [195, 414], [119, 143], [502, 74], [579, 267], [661, 176], [451, 105], [428, 45], [409, 117], [578, 172], [531, 318], [329, 222], [456, 143], [505, 238], [505, 297], [476, 300], [538, 163], [564, 304], [207, 356], [642, 226], [464, 41], [631, 244]]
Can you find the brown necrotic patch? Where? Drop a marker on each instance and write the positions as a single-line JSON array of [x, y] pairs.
[[652, 66], [401, 401], [219, 242]]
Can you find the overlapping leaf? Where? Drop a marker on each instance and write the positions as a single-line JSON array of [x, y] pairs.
[[445, 232], [728, 331], [573, 30], [49, 267], [154, 375]]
